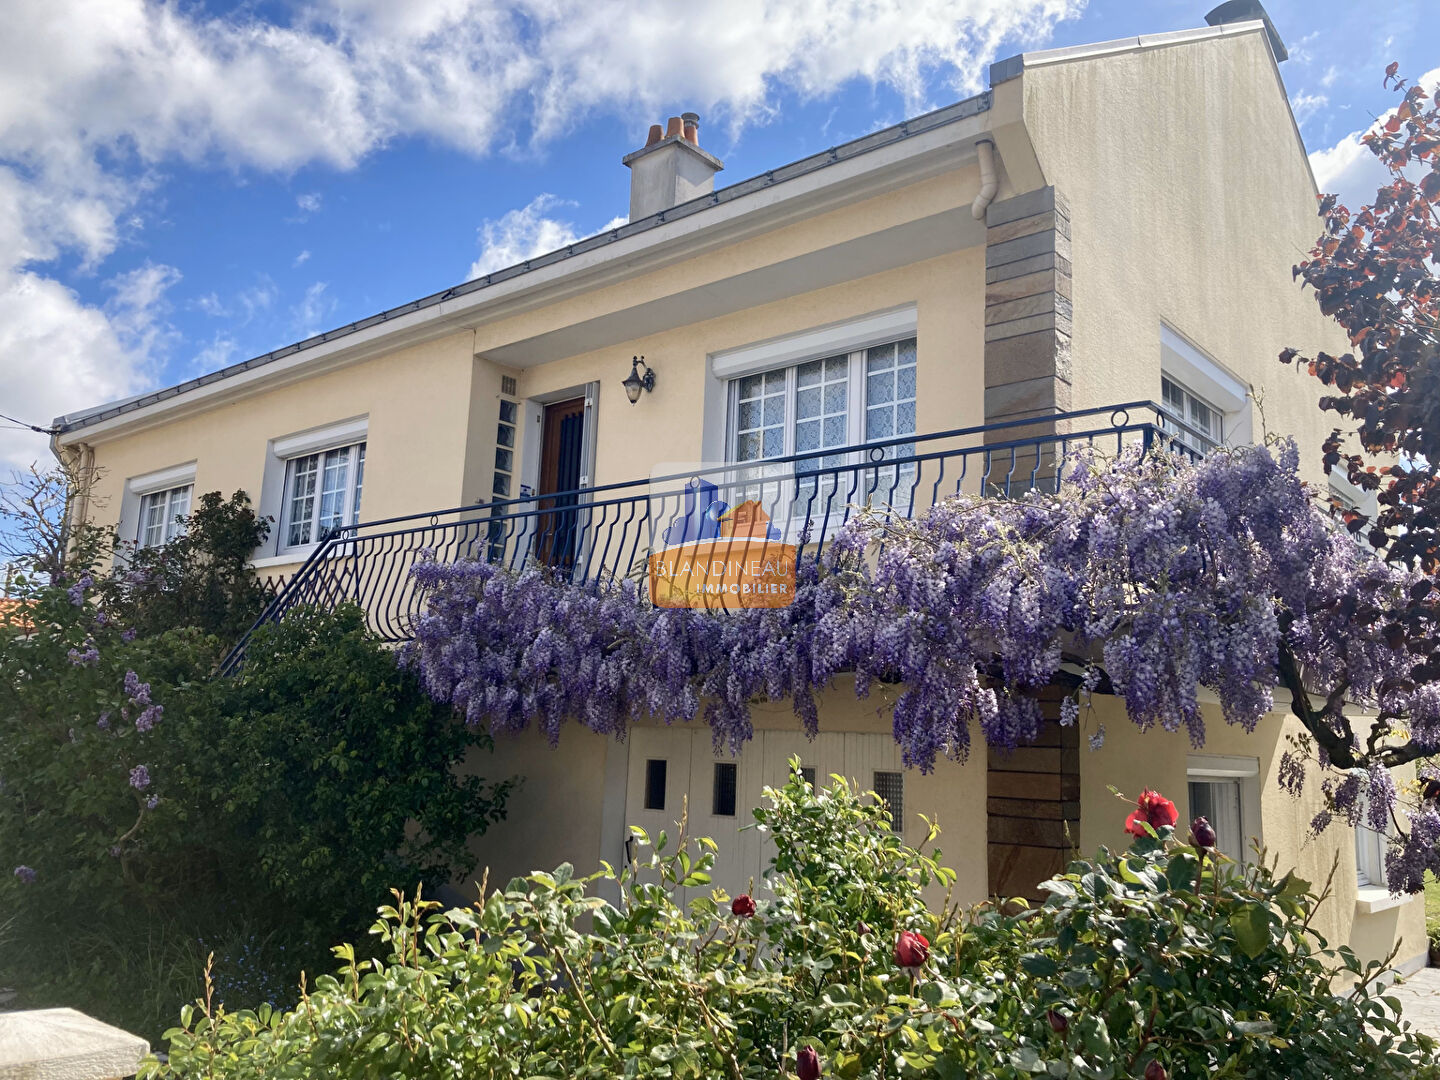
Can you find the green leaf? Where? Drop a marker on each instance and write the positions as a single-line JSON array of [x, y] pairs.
[[1251, 926]]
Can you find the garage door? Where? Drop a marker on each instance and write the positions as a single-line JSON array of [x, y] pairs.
[[672, 767]]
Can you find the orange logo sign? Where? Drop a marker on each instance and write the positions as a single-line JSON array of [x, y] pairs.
[[720, 557]]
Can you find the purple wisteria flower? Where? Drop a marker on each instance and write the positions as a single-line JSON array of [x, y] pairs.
[[139, 778], [128, 634], [1169, 576], [26, 875], [104, 722], [152, 802]]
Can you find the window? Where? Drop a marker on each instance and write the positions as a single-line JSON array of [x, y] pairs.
[[505, 448], [1204, 423], [1369, 850], [160, 515], [655, 784], [890, 787], [807, 773], [322, 494], [1218, 802], [1225, 791], [866, 395], [722, 798]]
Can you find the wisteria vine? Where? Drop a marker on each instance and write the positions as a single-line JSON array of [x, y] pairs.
[[1149, 577]]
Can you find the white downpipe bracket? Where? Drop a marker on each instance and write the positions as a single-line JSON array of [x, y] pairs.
[[989, 182]]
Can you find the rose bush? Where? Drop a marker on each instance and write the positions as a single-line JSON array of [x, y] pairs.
[[1153, 962]]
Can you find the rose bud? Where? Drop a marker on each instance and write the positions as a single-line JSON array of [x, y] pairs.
[[807, 1064], [911, 949], [1156, 1071], [743, 906], [1059, 1022], [1203, 833], [862, 928]]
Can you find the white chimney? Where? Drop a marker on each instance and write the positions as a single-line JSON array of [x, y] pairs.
[[671, 168]]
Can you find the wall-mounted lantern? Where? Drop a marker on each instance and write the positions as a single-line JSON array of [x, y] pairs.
[[636, 382]]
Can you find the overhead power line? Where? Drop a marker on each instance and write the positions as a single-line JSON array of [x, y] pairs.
[[32, 427]]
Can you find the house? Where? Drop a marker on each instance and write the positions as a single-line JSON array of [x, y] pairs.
[[958, 301]]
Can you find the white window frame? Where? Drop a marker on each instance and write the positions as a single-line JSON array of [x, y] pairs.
[[1244, 771], [350, 494], [174, 505], [1190, 403], [1204, 379], [275, 485], [138, 489]]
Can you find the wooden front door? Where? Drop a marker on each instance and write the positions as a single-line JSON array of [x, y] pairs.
[[562, 436]]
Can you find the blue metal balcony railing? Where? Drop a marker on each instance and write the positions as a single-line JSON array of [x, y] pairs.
[[607, 532]]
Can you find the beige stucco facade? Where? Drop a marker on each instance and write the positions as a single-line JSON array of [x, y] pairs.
[[1186, 198]]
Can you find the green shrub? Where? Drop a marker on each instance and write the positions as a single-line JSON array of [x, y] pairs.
[[151, 814], [202, 578], [1146, 960]]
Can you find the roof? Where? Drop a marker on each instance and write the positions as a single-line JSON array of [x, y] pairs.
[[12, 613], [888, 136]]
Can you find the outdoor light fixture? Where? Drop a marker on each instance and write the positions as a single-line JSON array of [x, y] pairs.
[[635, 382]]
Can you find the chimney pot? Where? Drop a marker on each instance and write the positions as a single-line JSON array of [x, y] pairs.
[[671, 168]]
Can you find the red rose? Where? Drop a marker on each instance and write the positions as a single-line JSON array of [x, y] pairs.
[[911, 949], [1151, 809], [743, 906], [1059, 1022], [1156, 1071], [807, 1064]]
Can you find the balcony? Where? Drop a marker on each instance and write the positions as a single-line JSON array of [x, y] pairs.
[[605, 534]]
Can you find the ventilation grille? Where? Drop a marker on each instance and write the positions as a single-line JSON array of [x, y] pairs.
[[722, 800], [890, 787], [507, 385]]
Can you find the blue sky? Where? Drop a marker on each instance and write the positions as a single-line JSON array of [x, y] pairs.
[[186, 185]]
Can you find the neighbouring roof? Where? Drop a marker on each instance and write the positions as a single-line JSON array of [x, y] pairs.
[[843, 152], [12, 613]]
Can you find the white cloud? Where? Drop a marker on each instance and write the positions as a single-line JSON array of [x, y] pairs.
[[1305, 105], [313, 311], [1349, 169], [309, 203], [61, 355], [522, 234], [301, 259], [97, 97]]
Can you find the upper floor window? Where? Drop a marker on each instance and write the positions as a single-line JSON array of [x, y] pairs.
[[867, 395], [1204, 423], [1370, 847], [162, 515], [322, 494]]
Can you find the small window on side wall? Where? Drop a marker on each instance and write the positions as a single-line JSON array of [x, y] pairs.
[[1369, 851]]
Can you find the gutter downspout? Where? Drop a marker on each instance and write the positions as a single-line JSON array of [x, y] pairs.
[[78, 509], [989, 181]]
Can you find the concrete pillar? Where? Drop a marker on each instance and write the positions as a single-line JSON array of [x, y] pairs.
[[62, 1044]]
